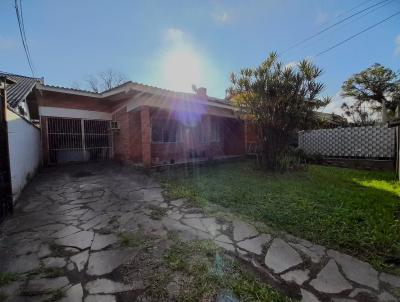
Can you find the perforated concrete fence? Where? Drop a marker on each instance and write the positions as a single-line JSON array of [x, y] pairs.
[[369, 142]]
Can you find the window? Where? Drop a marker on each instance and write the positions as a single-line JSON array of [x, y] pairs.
[[215, 131], [165, 131]]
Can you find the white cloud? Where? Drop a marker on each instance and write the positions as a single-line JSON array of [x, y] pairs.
[[6, 43], [292, 64], [222, 17], [397, 43], [336, 103], [337, 100], [322, 18]]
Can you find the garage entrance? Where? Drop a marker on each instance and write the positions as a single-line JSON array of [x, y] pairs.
[[72, 139]]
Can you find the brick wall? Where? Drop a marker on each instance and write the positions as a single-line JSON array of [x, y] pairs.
[[146, 136], [231, 140], [133, 141], [233, 135], [121, 137], [135, 136]]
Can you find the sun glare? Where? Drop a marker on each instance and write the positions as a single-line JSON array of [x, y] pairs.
[[181, 68]]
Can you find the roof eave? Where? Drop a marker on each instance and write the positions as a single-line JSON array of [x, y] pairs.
[[129, 86]]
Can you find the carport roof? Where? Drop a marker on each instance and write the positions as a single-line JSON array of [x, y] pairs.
[[18, 92]]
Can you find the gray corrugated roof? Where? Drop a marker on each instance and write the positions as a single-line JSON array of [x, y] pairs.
[[17, 92], [177, 93]]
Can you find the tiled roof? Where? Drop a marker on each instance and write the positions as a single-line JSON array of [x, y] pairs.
[[24, 85], [101, 94], [17, 92]]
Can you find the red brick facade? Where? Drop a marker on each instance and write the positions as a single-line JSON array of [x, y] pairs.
[[203, 133], [121, 139]]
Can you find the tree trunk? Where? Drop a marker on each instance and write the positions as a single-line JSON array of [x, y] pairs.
[[274, 144]]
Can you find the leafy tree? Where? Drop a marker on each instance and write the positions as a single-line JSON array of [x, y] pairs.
[[279, 99], [358, 115], [377, 85]]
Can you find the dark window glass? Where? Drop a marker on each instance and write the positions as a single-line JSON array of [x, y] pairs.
[[165, 131]]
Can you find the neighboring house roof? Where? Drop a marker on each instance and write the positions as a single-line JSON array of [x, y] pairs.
[[17, 92], [331, 117]]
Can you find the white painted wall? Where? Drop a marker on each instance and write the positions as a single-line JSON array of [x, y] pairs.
[[74, 113], [25, 151]]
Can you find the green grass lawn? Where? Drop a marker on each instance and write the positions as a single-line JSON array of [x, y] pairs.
[[354, 211]]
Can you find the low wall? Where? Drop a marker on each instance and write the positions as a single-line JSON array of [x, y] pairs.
[[25, 151], [354, 142], [366, 164]]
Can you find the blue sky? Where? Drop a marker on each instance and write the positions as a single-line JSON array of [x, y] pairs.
[[173, 44]]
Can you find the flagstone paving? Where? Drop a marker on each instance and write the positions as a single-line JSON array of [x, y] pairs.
[[69, 219]]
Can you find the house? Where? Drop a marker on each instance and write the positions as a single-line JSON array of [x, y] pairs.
[[20, 141], [136, 123]]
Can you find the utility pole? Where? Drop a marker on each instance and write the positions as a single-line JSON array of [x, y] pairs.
[[6, 202]]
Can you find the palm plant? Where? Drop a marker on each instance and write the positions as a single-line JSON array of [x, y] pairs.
[[279, 99]]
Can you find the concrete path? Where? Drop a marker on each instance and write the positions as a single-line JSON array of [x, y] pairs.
[[64, 237]]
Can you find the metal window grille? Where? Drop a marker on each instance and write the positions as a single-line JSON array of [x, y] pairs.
[[78, 139]]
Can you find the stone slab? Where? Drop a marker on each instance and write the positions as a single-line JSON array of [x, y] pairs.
[[242, 230], [43, 285], [80, 260], [254, 245], [308, 297], [314, 252], [102, 241], [73, 294], [100, 298], [223, 238], [225, 246], [106, 286], [55, 262], [44, 251], [105, 262], [177, 202], [211, 225], [390, 279], [356, 270], [296, 276], [195, 223], [330, 280], [281, 256], [80, 240], [68, 230], [386, 297], [21, 264]]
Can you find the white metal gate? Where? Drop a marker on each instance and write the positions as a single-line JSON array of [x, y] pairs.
[[71, 139]]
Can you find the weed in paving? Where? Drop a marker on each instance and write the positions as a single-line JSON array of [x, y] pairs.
[[157, 213], [7, 278], [134, 239]]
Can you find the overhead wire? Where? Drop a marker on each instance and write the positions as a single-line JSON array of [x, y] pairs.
[[357, 34], [330, 27], [21, 26]]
